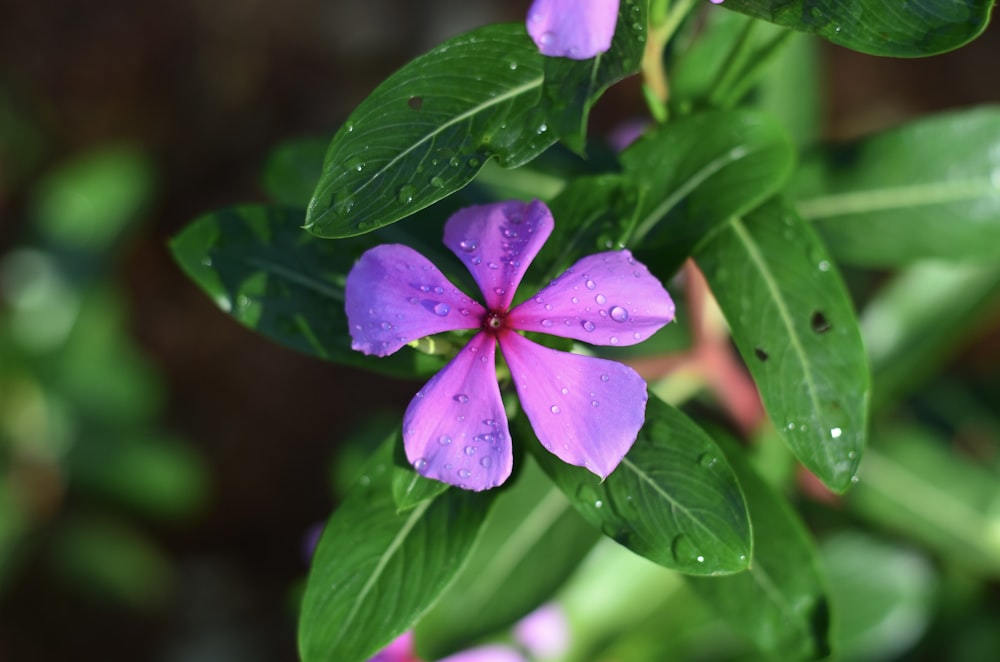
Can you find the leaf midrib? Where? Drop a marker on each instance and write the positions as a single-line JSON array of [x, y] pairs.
[[674, 504], [492, 101], [890, 198], [383, 561], [753, 251]]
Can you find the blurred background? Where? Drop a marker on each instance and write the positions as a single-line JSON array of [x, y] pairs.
[[161, 467]]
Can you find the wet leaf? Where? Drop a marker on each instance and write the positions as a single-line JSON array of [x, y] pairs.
[[914, 28], [795, 327], [673, 498]]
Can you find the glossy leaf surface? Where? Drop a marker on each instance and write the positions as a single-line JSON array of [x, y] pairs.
[[794, 325], [694, 173], [364, 590], [261, 267], [780, 602], [427, 130], [915, 28], [930, 189], [673, 498], [532, 542]]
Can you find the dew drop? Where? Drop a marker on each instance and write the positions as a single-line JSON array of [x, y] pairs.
[[442, 309], [613, 340], [470, 450], [420, 464], [604, 378], [598, 504], [464, 473], [546, 323], [461, 397], [588, 325], [707, 460], [637, 336], [406, 194], [564, 390], [595, 403], [385, 326], [486, 462], [444, 440], [454, 162], [437, 182], [618, 314], [835, 433], [555, 409], [590, 284], [601, 299]]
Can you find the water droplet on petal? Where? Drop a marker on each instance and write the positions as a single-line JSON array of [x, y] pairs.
[[601, 299], [590, 284], [613, 340], [555, 409], [595, 403], [588, 325], [604, 378], [461, 397], [420, 464], [546, 323], [442, 309], [470, 450], [618, 314], [464, 473], [385, 326], [486, 462], [444, 440]]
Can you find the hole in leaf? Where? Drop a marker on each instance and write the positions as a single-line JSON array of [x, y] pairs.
[[761, 354], [819, 323], [416, 103]]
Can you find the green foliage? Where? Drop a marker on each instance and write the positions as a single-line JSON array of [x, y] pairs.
[[727, 180], [376, 570], [916, 28]]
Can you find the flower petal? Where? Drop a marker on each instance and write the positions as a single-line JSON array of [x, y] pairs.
[[586, 411], [577, 29], [455, 429], [487, 653], [604, 299], [394, 295], [497, 242]]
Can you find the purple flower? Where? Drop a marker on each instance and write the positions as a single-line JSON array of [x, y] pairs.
[[585, 410], [577, 29]]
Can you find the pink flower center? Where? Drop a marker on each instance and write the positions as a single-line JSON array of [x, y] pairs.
[[495, 322]]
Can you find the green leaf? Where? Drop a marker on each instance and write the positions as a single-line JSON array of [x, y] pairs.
[[292, 170], [793, 323], [911, 482], [780, 602], [915, 28], [426, 131], [376, 570], [259, 266], [530, 545], [673, 499], [926, 189], [695, 173], [882, 596]]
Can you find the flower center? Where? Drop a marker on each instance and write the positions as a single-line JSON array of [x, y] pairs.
[[494, 322]]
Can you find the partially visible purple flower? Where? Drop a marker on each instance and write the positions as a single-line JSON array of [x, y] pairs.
[[544, 632], [488, 653], [577, 29], [627, 132], [585, 410], [401, 649]]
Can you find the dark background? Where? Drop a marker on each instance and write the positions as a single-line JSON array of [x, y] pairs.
[[206, 88]]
